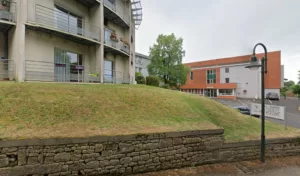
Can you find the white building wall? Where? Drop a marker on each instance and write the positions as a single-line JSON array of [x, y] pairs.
[[247, 80], [141, 64]]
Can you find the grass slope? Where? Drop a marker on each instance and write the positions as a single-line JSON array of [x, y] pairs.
[[33, 110]]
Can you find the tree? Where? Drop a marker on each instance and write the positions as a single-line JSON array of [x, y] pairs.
[[296, 89], [289, 84], [139, 78], [299, 76], [166, 60]]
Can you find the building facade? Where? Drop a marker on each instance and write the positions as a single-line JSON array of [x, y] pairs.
[[228, 78], [141, 64], [68, 40]]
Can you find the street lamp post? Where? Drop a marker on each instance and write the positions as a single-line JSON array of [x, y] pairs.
[[254, 65]]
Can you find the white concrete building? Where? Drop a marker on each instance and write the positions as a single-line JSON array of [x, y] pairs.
[[141, 64], [69, 40]]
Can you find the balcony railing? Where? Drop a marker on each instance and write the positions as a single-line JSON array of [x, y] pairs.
[[7, 70], [66, 72], [111, 4], [114, 42], [9, 12], [65, 22]]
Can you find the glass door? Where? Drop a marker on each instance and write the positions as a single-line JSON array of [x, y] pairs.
[[108, 71]]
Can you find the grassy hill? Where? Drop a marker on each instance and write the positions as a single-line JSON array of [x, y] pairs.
[[32, 110]]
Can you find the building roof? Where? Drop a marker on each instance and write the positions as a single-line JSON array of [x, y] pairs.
[[225, 61], [142, 55]]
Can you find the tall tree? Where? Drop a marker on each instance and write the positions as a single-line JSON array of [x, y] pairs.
[[166, 60], [296, 89], [289, 84]]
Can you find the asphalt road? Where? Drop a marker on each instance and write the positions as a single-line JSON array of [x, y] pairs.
[[292, 104]]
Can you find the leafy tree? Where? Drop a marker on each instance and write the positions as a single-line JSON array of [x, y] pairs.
[[289, 84], [296, 89], [166, 60], [152, 81], [283, 91], [139, 78]]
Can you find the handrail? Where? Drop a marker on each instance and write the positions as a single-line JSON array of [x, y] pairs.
[[10, 14]]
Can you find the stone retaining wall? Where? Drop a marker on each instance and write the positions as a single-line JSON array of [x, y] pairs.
[[123, 155]]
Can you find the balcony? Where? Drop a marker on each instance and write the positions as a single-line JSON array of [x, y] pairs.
[[115, 45], [65, 25], [89, 3], [8, 15], [111, 13]]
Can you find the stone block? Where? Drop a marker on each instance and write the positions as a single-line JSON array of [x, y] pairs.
[[49, 160], [76, 166], [65, 168], [41, 158], [114, 162], [107, 153], [22, 157], [177, 141], [156, 160], [136, 158], [32, 160], [192, 140], [92, 165], [125, 148], [128, 170], [151, 146], [4, 162], [223, 155], [125, 160], [104, 163], [62, 157], [75, 157], [165, 143], [144, 157], [99, 147]]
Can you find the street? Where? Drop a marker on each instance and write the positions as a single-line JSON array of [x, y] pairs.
[[292, 104]]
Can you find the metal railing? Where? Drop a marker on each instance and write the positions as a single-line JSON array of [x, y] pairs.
[[7, 70], [115, 43], [9, 12], [65, 22], [65, 72], [111, 4]]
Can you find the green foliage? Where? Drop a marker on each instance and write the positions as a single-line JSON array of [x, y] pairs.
[[289, 84], [166, 60], [283, 91], [139, 78], [152, 81], [296, 89], [166, 86]]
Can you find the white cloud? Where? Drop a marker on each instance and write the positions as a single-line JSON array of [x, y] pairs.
[[223, 28]]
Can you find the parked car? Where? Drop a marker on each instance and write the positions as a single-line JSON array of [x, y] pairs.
[[243, 109], [272, 96]]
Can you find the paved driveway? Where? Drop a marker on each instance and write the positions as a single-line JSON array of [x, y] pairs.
[[292, 104]]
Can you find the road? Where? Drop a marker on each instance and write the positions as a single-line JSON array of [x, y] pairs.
[[292, 104]]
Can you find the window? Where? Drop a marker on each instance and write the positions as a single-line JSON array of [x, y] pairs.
[[211, 76], [226, 70], [225, 91], [191, 75], [68, 66], [227, 80], [105, 22], [108, 71]]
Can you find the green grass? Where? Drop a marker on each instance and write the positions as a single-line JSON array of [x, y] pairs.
[[31, 110]]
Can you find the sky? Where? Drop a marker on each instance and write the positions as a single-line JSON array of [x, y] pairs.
[[223, 28]]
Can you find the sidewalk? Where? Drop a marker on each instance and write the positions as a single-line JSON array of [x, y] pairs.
[[288, 166]]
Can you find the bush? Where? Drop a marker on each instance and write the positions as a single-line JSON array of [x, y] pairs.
[[152, 81], [166, 86], [139, 78]]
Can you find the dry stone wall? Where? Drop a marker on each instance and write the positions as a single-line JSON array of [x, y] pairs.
[[124, 155]]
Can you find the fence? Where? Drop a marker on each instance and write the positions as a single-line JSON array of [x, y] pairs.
[[9, 12], [66, 22], [66, 72], [7, 70]]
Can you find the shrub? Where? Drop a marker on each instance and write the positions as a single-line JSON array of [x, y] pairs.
[[166, 86], [139, 78], [152, 81]]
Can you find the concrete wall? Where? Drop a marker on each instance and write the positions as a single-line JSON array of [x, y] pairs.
[[246, 79], [124, 155]]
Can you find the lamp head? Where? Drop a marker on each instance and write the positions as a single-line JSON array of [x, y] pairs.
[[254, 65]]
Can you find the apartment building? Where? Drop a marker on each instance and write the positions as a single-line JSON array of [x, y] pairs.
[[227, 78], [141, 64], [68, 40]]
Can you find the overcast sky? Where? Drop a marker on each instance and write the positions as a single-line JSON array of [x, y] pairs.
[[223, 28]]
